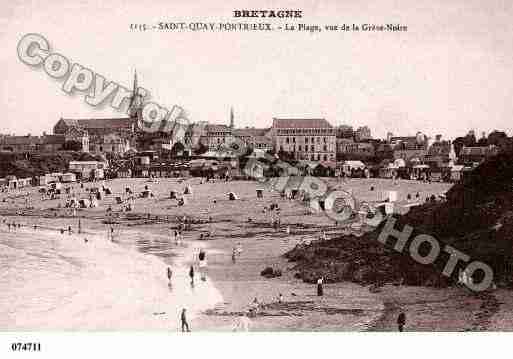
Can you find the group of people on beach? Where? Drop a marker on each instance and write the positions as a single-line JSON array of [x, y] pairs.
[[12, 225]]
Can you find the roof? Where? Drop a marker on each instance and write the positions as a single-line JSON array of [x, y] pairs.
[[403, 138], [399, 163], [217, 128], [476, 150], [328, 164], [21, 140], [307, 163], [457, 168], [301, 123], [257, 153], [72, 163], [354, 163], [252, 132], [53, 139], [99, 123], [262, 139]]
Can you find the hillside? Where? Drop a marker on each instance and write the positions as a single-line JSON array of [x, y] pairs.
[[476, 219]]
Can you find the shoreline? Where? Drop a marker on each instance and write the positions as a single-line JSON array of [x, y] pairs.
[[131, 288]]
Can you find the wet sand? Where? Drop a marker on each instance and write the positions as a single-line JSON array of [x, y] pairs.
[[53, 281]]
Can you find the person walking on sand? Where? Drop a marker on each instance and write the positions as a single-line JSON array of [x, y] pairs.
[[169, 274], [202, 264], [234, 255], [280, 298], [191, 274], [401, 321], [320, 289], [183, 320]]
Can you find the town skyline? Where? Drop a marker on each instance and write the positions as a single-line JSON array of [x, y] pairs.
[[447, 74]]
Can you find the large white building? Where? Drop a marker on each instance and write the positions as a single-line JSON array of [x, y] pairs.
[[311, 139]]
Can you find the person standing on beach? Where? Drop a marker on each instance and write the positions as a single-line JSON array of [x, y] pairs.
[[169, 274], [202, 264], [234, 255], [183, 319], [320, 289], [191, 274], [401, 321], [280, 298]]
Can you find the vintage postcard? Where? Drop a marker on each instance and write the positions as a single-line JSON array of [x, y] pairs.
[[264, 166]]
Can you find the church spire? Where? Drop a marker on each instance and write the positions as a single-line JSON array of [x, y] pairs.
[[232, 122], [135, 99]]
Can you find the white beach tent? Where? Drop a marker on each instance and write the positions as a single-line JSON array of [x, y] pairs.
[[232, 196], [399, 163], [354, 165]]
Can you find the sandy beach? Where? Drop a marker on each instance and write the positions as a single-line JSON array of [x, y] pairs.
[[123, 285]]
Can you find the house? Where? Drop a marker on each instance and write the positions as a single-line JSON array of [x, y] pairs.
[[88, 169], [109, 143], [349, 150], [97, 126], [477, 154], [20, 143], [52, 143]]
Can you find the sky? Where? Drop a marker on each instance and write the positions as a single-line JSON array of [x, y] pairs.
[[449, 73]]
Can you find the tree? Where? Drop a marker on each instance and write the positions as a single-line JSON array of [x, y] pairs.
[[470, 140], [458, 144], [201, 148], [177, 149], [496, 137]]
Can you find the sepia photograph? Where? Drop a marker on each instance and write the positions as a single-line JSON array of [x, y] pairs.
[[291, 167]]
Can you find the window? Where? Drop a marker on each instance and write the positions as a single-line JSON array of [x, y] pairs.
[[318, 140], [312, 148], [313, 140], [306, 139], [287, 140], [324, 139], [294, 139], [300, 148], [325, 157], [325, 148], [318, 157]]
